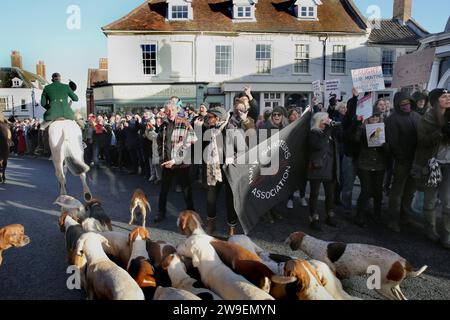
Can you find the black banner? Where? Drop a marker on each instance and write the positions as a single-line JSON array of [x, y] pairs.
[[280, 162]]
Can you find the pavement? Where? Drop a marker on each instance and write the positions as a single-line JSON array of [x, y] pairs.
[[38, 271]]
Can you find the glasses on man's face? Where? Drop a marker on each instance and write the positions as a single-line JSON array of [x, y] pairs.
[[276, 114]]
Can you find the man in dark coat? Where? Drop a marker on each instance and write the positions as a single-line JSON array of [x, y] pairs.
[[401, 138]]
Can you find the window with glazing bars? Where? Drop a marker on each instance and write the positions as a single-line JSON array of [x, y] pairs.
[[223, 59], [149, 58], [263, 58], [338, 61], [301, 64]]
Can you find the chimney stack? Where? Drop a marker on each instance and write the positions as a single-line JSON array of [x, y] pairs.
[[40, 69], [103, 63], [16, 60], [402, 10]]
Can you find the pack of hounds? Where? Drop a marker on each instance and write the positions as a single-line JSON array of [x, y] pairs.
[[132, 266]]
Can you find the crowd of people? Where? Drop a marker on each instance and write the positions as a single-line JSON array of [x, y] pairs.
[[414, 158]]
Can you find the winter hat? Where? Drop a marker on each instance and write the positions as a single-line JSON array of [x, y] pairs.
[[280, 109], [219, 112], [417, 96], [205, 104], [399, 97], [436, 94]]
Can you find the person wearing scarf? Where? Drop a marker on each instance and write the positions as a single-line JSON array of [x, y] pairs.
[[434, 149], [215, 177]]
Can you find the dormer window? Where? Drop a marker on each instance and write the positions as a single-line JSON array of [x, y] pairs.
[[16, 82], [244, 10], [308, 12], [179, 10], [306, 9]]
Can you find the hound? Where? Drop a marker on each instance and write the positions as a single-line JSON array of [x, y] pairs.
[[181, 280], [104, 279], [326, 276], [140, 200], [139, 266], [12, 236], [215, 274], [348, 260]]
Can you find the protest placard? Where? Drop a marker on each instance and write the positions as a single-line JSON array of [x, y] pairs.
[[413, 68], [365, 107], [332, 88], [317, 89], [376, 136], [368, 79]]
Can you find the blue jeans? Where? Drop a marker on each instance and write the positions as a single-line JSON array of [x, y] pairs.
[[348, 181]]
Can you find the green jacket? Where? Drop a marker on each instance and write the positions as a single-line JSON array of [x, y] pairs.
[[55, 100]]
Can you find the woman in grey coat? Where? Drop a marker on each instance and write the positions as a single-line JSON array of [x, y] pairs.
[[434, 143]]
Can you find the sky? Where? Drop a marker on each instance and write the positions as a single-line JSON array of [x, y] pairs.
[[39, 30]]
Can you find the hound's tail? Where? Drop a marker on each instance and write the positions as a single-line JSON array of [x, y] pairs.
[[73, 149], [415, 274]]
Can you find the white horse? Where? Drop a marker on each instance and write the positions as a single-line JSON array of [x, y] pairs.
[[66, 145]]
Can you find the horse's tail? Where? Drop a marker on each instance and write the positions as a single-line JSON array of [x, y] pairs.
[[73, 150]]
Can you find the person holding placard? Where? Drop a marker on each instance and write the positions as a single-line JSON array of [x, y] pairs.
[[371, 165], [401, 137]]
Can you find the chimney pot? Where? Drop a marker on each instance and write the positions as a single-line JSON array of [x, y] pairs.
[[402, 10]]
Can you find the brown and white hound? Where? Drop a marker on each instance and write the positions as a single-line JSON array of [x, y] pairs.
[[349, 260], [12, 236]]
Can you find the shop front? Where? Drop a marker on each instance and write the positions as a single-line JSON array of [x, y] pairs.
[[135, 98]]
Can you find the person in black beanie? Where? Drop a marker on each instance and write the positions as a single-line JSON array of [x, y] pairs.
[[421, 100], [401, 138], [434, 143]]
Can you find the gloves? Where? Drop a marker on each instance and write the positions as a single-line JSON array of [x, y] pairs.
[[446, 129]]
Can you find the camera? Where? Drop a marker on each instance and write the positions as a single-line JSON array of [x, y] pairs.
[[335, 124]]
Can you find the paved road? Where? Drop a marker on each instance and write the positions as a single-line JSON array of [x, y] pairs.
[[38, 271]]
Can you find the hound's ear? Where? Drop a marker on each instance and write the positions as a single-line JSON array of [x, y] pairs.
[[61, 221], [166, 262], [103, 240], [132, 236], [2, 234], [289, 269], [146, 234]]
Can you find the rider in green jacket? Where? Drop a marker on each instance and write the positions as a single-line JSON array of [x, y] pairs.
[[55, 100]]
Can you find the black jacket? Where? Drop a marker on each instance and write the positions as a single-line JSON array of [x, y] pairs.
[[369, 159], [323, 162], [351, 147], [430, 139], [401, 131]]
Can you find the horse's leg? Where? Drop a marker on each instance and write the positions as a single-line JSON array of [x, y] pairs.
[[86, 191], [59, 171], [2, 172], [5, 163]]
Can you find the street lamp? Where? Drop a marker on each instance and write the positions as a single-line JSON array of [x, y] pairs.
[[33, 100], [323, 39]]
